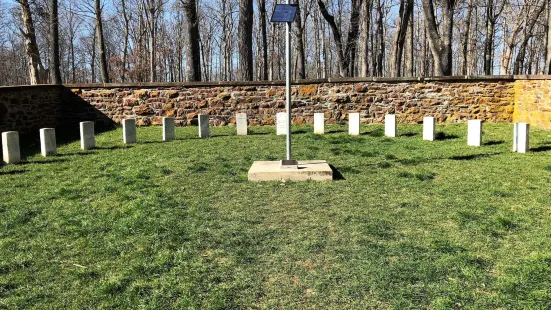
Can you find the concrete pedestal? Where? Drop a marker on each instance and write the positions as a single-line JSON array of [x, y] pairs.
[[168, 129], [354, 124], [204, 130], [521, 138], [281, 123], [319, 126], [129, 131], [316, 170], [47, 142], [474, 137], [429, 128], [10, 147], [87, 138], [241, 124], [390, 125]]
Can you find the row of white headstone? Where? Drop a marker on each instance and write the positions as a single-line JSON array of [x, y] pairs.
[[12, 155]]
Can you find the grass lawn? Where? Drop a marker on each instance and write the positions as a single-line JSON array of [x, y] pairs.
[[410, 223]]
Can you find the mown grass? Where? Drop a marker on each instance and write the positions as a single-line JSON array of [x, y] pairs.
[[409, 223]]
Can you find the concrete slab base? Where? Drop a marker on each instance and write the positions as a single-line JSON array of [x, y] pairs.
[[316, 170]]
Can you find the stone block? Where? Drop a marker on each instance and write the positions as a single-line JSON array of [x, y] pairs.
[[241, 124], [48, 144], [521, 137], [10, 147], [429, 128], [316, 170], [390, 125], [168, 129], [474, 134], [354, 124], [319, 119], [129, 130], [87, 136], [204, 130], [281, 123]]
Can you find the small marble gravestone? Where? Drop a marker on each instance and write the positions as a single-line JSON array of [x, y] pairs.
[[474, 136], [390, 125], [87, 138], [319, 119], [281, 123], [429, 128], [47, 141], [354, 124], [521, 138], [10, 147], [204, 130], [168, 129], [241, 124], [129, 130]]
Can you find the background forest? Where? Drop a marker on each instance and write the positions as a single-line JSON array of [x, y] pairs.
[[90, 41]]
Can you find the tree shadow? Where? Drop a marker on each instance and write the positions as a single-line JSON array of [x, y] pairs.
[[541, 148], [337, 175], [12, 172], [445, 136], [408, 134], [111, 148], [493, 142], [472, 157], [45, 161], [336, 131]]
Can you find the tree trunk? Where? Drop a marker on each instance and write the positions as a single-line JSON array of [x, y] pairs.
[[55, 73], [366, 21], [245, 40], [440, 44], [547, 28], [404, 15], [380, 42], [262, 9], [193, 60], [466, 39], [301, 61], [101, 44], [37, 74], [343, 69], [352, 39]]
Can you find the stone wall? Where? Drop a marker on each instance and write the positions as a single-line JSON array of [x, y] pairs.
[[410, 100], [450, 99], [533, 102], [28, 108]]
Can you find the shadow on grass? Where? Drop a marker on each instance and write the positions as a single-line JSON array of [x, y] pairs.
[[111, 148], [542, 148], [445, 136], [13, 172], [258, 133], [408, 134], [472, 157], [46, 161], [493, 142], [336, 131], [337, 175]]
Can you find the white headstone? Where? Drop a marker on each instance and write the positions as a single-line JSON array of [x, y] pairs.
[[281, 123], [521, 139], [47, 141], [204, 130], [241, 124], [129, 130], [390, 125], [474, 137], [87, 138], [10, 147], [354, 124], [319, 119], [168, 129], [429, 128]]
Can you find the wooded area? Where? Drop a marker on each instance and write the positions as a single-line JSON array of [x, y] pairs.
[[90, 41]]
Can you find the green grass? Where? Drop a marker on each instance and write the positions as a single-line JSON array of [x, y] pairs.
[[410, 224]]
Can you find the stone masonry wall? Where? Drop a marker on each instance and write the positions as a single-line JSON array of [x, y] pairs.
[[28, 108], [533, 102], [447, 101], [451, 99]]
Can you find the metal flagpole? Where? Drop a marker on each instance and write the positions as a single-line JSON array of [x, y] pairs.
[[288, 84]]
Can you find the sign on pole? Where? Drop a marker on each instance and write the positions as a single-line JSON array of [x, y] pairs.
[[286, 13]]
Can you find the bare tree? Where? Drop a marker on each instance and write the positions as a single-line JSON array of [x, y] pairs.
[[37, 73], [101, 43], [245, 40], [193, 65], [440, 41], [404, 15]]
